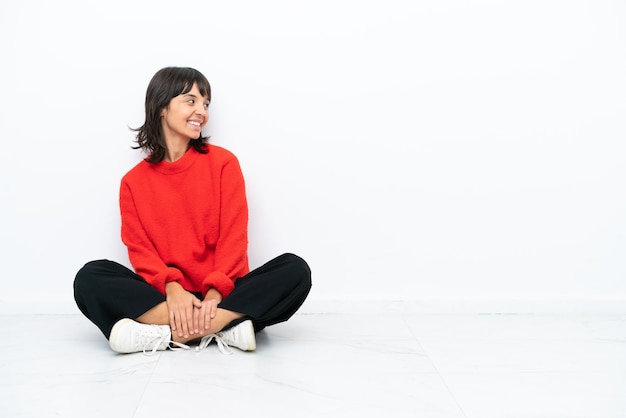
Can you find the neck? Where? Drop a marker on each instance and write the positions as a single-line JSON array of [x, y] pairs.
[[176, 150]]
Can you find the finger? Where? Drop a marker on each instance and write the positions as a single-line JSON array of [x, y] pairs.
[[189, 319], [172, 321], [179, 317], [207, 318], [178, 325], [213, 310], [197, 315], [184, 324], [197, 319]]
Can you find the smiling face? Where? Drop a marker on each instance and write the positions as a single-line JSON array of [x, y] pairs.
[[185, 116]]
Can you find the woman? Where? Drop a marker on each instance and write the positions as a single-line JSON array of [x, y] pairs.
[[184, 222]]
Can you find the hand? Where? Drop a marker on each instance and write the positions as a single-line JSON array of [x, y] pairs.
[[180, 304], [206, 310]]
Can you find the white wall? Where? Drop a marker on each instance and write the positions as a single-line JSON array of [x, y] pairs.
[[408, 150]]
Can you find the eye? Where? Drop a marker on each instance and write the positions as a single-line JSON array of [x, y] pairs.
[[206, 106]]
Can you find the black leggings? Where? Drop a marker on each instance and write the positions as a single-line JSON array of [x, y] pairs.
[[106, 292]]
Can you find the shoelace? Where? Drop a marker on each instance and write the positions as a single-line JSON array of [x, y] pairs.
[[221, 344], [158, 341]]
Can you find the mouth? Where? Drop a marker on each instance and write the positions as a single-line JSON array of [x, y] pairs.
[[194, 123]]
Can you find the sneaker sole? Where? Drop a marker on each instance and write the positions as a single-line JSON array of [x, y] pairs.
[[114, 331], [248, 328]]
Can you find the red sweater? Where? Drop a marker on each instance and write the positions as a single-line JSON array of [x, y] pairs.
[[187, 221]]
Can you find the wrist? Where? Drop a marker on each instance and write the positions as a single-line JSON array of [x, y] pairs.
[[169, 286], [212, 293]]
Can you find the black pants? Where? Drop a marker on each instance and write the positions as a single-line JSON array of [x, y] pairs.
[[106, 292]]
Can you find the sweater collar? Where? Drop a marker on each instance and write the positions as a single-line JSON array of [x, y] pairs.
[[180, 165]]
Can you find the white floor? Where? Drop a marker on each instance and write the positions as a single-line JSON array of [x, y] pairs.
[[333, 365]]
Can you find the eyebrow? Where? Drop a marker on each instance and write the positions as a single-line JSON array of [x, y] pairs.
[[194, 96]]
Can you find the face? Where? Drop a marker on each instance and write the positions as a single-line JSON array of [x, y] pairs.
[[185, 116]]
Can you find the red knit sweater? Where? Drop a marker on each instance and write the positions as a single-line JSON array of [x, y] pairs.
[[187, 221]]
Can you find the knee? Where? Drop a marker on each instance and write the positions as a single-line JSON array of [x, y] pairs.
[[85, 276], [299, 268], [88, 269]]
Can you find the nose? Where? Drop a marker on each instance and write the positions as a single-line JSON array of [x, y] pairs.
[[198, 104], [203, 113]]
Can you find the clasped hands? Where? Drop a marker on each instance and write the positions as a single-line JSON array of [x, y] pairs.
[[189, 315]]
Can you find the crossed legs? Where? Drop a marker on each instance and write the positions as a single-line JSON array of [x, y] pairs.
[[159, 315]]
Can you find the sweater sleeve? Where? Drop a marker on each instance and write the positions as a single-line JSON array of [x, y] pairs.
[[231, 252], [141, 251]]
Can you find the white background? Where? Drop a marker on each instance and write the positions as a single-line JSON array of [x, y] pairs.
[[410, 151]]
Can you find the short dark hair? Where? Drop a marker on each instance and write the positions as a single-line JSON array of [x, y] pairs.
[[166, 84]]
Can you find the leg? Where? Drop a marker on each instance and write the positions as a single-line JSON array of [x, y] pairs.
[[271, 293], [106, 292]]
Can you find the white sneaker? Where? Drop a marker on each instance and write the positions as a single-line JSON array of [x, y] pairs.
[[128, 336], [240, 336]]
